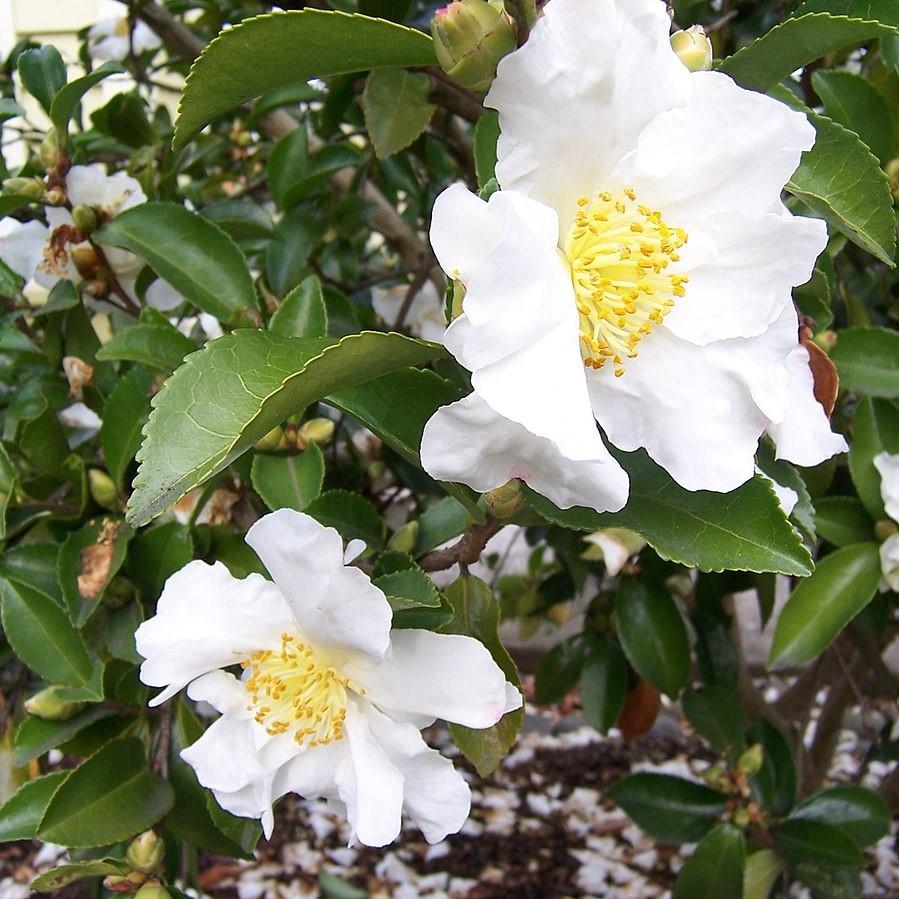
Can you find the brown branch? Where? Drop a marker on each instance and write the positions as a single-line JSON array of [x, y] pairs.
[[465, 551], [453, 97]]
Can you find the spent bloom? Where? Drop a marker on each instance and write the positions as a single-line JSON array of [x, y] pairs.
[[888, 466], [108, 39], [330, 701], [634, 270]]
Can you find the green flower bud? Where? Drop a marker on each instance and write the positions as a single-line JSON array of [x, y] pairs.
[[85, 218], [405, 538], [716, 777], [885, 528], [741, 817], [153, 890], [50, 706], [102, 488], [118, 883], [51, 153], [273, 442], [56, 196], [145, 853], [25, 187], [750, 762], [470, 38], [316, 430], [693, 48], [892, 170], [505, 501]]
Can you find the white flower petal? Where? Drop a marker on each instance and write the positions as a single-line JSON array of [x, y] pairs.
[[440, 675], [889, 561], [573, 100], [803, 435], [207, 619], [888, 466], [336, 607], [113, 48], [369, 783], [728, 149], [460, 249], [22, 245], [470, 443], [745, 286], [81, 417], [162, 296], [435, 795], [89, 185]]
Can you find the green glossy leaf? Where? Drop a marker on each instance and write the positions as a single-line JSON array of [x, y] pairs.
[[822, 605], [603, 683], [671, 809], [22, 812], [230, 394], [875, 429], [743, 530], [241, 219], [397, 111], [58, 878], [559, 671], [774, 786], [43, 73], [856, 104], [440, 522], [124, 416], [486, 134], [867, 360], [42, 636], [788, 46], [302, 313], [289, 482], [156, 554], [35, 736], [714, 712], [476, 614], [807, 841], [413, 597], [716, 867], [195, 256], [63, 296], [66, 100], [842, 521], [109, 798], [653, 634], [33, 564], [269, 52], [763, 868], [160, 347], [352, 515], [296, 236], [287, 167], [7, 488], [841, 179], [860, 813]]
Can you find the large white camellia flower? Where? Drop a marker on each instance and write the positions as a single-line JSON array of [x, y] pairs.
[[634, 270], [108, 39], [331, 701], [888, 466]]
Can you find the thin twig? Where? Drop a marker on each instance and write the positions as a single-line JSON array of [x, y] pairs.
[[415, 287], [466, 551]]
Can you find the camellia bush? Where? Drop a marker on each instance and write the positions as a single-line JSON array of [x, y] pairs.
[[278, 367]]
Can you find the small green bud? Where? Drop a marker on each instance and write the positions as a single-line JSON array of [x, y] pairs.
[[741, 817], [826, 339], [505, 501], [316, 430], [48, 705], [56, 196], [405, 538], [153, 890], [885, 528], [892, 170], [85, 218], [693, 48], [118, 883], [145, 853], [375, 469], [102, 488], [750, 762], [716, 777], [273, 442], [559, 612], [51, 153], [470, 38], [34, 188]]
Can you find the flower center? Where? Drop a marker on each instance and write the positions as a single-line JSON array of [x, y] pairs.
[[618, 250], [294, 690]]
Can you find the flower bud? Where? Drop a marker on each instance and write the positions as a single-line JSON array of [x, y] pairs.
[[48, 705], [102, 489], [118, 883], [470, 38], [145, 852], [505, 501], [716, 777], [85, 218], [86, 260], [405, 538], [273, 442], [559, 612], [741, 817], [316, 430], [33, 188], [892, 170], [884, 529], [826, 339], [750, 762], [153, 890], [51, 153], [693, 48], [56, 196]]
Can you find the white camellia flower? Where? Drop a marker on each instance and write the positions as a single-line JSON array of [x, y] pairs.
[[888, 466], [108, 38], [425, 317], [634, 270], [331, 701]]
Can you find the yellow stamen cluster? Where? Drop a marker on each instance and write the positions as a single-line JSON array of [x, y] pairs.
[[618, 250], [294, 690]]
